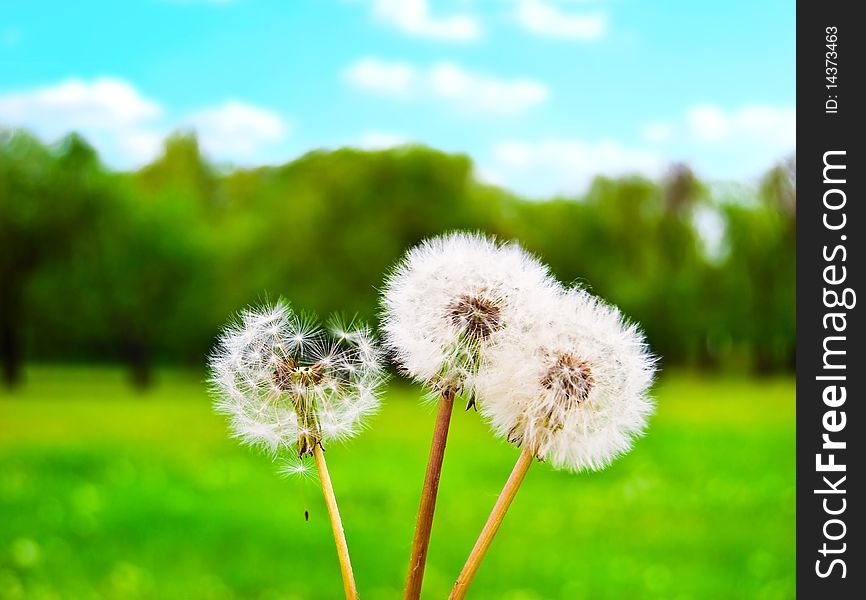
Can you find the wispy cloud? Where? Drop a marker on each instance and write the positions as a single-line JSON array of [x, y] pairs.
[[477, 92], [733, 143], [710, 124], [547, 20], [464, 90], [238, 131], [775, 124], [657, 132], [128, 127], [110, 112], [104, 102], [383, 77], [381, 140], [414, 18], [552, 165]]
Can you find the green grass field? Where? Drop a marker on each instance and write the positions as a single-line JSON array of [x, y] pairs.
[[105, 493]]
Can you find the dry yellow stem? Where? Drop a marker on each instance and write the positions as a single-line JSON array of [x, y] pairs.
[[424, 523], [336, 524], [492, 525]]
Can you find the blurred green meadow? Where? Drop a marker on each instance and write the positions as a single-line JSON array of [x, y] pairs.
[[106, 492]]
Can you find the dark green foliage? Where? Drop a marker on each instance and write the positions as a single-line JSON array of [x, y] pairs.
[[48, 198], [145, 266]]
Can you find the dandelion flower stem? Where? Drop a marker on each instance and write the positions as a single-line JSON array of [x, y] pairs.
[[336, 524], [492, 525], [424, 524]]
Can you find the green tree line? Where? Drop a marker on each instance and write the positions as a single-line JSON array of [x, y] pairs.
[[143, 267]]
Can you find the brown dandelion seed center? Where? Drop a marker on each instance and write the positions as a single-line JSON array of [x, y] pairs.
[[570, 378], [477, 316], [283, 374], [289, 374]]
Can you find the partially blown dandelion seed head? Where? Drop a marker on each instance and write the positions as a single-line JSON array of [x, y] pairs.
[[573, 388], [450, 298], [286, 382]]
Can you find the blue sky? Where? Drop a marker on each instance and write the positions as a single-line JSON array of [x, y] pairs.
[[541, 93]]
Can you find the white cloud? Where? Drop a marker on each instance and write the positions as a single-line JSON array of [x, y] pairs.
[[105, 102], [237, 131], [709, 124], [490, 176], [467, 91], [110, 112], [772, 124], [477, 92], [545, 19], [568, 165], [711, 229], [387, 78], [413, 17], [658, 132], [739, 143], [128, 128], [381, 140]]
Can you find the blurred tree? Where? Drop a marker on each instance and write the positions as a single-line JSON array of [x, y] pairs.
[[144, 266], [142, 278], [148, 284], [682, 189], [779, 188], [180, 170], [759, 282], [324, 229], [47, 199]]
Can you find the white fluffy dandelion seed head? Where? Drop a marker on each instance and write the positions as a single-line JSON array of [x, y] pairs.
[[286, 383], [574, 388], [453, 296]]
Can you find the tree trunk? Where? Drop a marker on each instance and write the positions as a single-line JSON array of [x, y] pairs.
[[10, 350], [10, 332], [138, 361]]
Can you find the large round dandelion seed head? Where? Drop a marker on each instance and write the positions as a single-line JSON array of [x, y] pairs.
[[574, 388], [287, 383], [450, 298]]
